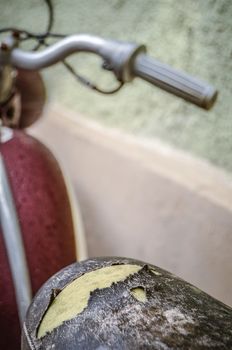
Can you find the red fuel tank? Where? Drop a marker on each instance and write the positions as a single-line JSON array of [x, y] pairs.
[[45, 221]]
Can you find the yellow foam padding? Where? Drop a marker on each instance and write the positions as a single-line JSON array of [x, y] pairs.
[[73, 299]]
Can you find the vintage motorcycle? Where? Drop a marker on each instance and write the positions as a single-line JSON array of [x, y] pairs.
[[38, 232]]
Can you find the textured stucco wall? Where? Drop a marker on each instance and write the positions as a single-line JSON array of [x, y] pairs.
[[191, 35]]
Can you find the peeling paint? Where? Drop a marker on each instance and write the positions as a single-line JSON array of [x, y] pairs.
[[139, 293], [195, 289], [73, 299], [156, 272]]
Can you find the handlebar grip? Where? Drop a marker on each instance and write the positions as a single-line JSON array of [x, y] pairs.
[[175, 82]]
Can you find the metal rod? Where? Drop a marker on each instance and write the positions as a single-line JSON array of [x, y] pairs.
[[14, 244]]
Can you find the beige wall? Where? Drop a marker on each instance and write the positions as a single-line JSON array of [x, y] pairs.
[[147, 201]]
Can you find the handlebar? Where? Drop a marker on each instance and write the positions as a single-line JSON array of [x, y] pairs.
[[125, 60], [178, 83]]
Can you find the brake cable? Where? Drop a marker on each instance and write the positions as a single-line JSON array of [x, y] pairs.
[[41, 39]]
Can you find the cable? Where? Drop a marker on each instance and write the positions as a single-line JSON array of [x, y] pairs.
[[85, 81], [30, 35], [49, 25], [42, 41], [25, 34]]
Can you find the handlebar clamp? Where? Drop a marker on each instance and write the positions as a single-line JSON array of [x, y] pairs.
[[119, 57]]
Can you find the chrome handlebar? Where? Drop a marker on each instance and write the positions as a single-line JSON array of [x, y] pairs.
[[125, 60]]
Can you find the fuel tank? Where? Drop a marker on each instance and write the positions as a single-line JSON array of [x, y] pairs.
[[43, 214]]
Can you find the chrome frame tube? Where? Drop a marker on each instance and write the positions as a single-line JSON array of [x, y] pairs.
[[14, 245], [118, 55], [57, 52]]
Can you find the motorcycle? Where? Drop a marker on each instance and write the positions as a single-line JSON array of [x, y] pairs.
[[38, 232]]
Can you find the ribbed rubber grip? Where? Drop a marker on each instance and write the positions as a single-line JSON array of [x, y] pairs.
[[175, 82]]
